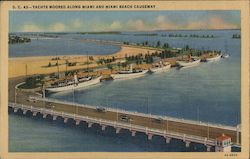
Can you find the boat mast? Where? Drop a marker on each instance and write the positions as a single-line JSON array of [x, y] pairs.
[[57, 67], [87, 63]]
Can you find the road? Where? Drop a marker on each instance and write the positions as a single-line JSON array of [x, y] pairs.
[[180, 126]]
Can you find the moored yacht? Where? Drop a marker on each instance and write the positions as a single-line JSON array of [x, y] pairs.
[[129, 74], [160, 67], [189, 63], [77, 83], [214, 58]]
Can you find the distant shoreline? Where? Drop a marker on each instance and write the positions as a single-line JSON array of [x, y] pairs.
[[125, 31]]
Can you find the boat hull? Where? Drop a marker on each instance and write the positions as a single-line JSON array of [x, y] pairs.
[[188, 64], [216, 58], [160, 69], [80, 85], [128, 76]]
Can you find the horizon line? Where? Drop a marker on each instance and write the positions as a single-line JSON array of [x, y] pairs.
[[128, 31]]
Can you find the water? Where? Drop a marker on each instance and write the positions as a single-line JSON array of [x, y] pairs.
[[209, 92], [53, 47]]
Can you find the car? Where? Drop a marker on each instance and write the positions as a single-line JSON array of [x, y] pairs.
[[32, 99], [125, 118], [157, 120], [100, 109]]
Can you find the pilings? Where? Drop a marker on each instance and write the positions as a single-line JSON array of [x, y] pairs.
[[103, 127], [187, 143], [34, 113], [78, 122], [54, 117], [90, 124], [133, 132], [168, 139], [65, 120], [24, 112], [15, 110], [45, 115], [117, 130], [208, 148], [150, 136]]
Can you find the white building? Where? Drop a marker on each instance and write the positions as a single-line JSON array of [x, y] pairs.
[[223, 143]]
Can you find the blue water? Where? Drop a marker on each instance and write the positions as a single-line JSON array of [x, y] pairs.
[[209, 92], [52, 47]]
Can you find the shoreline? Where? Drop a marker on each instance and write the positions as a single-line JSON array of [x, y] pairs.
[[39, 64]]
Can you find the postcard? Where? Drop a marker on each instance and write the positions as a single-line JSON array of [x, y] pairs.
[[122, 79]]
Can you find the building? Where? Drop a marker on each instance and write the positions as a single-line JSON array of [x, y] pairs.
[[223, 143]]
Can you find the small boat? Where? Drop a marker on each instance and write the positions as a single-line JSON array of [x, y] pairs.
[[214, 58], [74, 84], [225, 56], [189, 63], [160, 67], [129, 74]]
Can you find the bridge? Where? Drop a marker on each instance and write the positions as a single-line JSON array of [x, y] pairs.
[[168, 127], [186, 130]]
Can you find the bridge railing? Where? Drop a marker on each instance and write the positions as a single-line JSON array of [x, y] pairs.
[[207, 124], [115, 124]]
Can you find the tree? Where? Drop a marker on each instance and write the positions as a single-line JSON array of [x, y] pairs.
[[91, 58], [49, 65], [187, 47], [158, 44]]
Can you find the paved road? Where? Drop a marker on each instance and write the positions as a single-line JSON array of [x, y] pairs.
[[210, 131]]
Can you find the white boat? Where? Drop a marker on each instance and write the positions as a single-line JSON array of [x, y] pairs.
[[189, 63], [214, 58], [129, 74], [74, 84], [157, 68], [225, 56]]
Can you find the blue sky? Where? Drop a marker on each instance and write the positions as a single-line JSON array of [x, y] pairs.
[[85, 21]]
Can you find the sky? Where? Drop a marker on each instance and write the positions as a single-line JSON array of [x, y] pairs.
[[93, 21]]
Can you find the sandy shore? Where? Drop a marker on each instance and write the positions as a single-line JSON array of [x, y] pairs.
[[39, 64]]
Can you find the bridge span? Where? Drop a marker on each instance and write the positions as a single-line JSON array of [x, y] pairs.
[[186, 130]]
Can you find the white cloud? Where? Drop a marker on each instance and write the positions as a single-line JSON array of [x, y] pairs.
[[158, 23], [77, 23], [30, 27], [57, 27], [115, 25]]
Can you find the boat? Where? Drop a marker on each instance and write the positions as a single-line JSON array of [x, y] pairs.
[[214, 58], [129, 74], [189, 63], [160, 67], [225, 56], [74, 84]]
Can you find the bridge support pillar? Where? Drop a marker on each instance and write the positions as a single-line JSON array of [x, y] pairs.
[[15, 110], [78, 122], [65, 120], [103, 127], [133, 132], [208, 148], [90, 124], [24, 112], [168, 139], [187, 143], [34, 113], [117, 130], [45, 115], [54, 117], [150, 136]]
